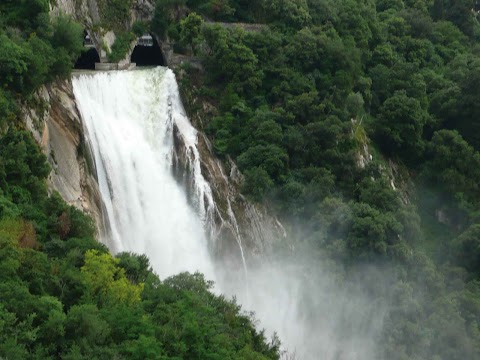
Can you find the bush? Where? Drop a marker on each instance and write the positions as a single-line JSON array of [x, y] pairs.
[[121, 46], [257, 183]]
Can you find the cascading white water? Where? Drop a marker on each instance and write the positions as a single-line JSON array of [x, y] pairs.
[[129, 119]]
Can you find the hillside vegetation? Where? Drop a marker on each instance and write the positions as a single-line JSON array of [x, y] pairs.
[[358, 123], [62, 295]]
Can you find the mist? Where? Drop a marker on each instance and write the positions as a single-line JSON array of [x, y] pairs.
[[317, 308]]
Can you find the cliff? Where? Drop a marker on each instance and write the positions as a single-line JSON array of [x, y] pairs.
[[57, 127]]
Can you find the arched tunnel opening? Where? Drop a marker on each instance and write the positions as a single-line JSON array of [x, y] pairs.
[[89, 57], [87, 60], [147, 52]]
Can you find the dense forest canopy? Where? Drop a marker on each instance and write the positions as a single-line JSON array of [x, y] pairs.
[[356, 121]]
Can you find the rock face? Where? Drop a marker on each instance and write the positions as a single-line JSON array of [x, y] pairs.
[[240, 230], [84, 11], [58, 130]]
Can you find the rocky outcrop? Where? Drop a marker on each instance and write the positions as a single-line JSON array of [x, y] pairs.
[[84, 11], [241, 231], [57, 127]]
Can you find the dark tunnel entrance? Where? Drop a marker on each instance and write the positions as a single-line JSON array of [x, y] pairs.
[[87, 60], [147, 52]]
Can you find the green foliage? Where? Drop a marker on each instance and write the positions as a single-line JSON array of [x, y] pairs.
[[23, 13], [257, 182], [139, 28], [230, 60], [218, 10], [163, 21], [292, 13], [33, 50], [24, 166], [63, 296], [400, 126], [271, 158], [137, 267], [467, 247], [120, 47], [357, 122], [115, 14], [371, 231], [13, 64], [106, 283], [190, 32], [453, 167]]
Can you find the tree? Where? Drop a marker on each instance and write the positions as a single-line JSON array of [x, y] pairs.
[[453, 166], [51, 321], [459, 12], [292, 13], [230, 61], [24, 13], [68, 35], [371, 232], [467, 249], [13, 335], [191, 29], [220, 9], [399, 126], [467, 119], [257, 183], [354, 104], [438, 10], [13, 64], [137, 267], [378, 194], [448, 40], [271, 158], [86, 329], [106, 282], [384, 5]]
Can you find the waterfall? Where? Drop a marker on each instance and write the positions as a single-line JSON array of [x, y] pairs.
[[129, 119]]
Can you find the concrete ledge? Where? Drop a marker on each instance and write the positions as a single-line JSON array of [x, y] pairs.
[[106, 66], [123, 66], [114, 66]]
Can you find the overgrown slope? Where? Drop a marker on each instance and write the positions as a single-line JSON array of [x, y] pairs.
[[357, 121]]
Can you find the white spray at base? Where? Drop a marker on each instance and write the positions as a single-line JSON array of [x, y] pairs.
[[129, 119]]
